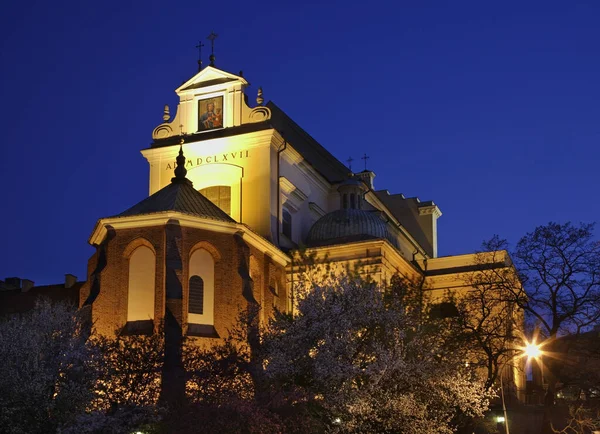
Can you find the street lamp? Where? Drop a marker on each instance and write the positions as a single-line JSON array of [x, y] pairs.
[[531, 350]]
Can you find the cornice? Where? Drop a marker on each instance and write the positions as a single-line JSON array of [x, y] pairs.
[[203, 91], [430, 210], [343, 252], [160, 219], [316, 209], [294, 158], [293, 195], [291, 155], [210, 73], [286, 185], [246, 141], [313, 176]]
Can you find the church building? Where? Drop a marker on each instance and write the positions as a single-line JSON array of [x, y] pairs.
[[236, 191]]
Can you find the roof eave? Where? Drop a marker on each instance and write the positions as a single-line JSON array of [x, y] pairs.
[[161, 219]]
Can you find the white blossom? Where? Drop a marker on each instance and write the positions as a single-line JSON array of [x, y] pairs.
[[367, 361]]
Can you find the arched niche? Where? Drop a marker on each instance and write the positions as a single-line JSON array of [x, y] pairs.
[[141, 284], [132, 246], [226, 175], [201, 283]]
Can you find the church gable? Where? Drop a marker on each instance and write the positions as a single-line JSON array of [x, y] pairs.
[[212, 99], [209, 76]]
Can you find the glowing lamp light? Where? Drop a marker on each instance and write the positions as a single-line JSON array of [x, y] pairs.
[[532, 351], [500, 419]]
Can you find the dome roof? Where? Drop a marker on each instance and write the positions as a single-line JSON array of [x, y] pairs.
[[347, 225], [353, 182]]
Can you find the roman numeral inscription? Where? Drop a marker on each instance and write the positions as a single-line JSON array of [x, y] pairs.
[[217, 158]]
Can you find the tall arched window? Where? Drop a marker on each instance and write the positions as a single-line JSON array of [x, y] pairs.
[[220, 195], [201, 294], [140, 297]]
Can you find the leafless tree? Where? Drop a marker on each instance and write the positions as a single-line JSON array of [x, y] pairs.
[[487, 318], [558, 288]]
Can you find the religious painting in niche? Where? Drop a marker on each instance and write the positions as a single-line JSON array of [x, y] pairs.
[[210, 113]]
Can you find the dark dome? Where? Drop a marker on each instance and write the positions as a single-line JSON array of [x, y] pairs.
[[347, 225], [354, 182]]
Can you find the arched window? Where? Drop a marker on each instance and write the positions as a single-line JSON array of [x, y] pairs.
[[196, 295], [345, 200], [220, 195], [201, 289], [286, 223], [140, 295], [353, 201]]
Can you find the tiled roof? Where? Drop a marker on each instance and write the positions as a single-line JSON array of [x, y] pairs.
[[406, 211], [316, 155], [181, 197]]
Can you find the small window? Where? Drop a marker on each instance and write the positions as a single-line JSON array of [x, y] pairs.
[[286, 223], [220, 195], [345, 201], [201, 288], [353, 201], [196, 295]]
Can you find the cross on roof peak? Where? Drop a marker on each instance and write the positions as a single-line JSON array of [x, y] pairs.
[[365, 157], [212, 38], [199, 47]]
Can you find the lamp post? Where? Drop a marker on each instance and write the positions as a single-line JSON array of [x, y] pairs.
[[503, 403], [532, 351]]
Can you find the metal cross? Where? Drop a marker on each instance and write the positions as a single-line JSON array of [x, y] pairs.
[[365, 157], [199, 47], [350, 160], [212, 38]]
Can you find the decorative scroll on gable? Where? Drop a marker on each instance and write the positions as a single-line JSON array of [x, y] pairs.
[[257, 114], [213, 99]]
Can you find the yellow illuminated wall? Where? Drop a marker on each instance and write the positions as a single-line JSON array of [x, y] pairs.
[[240, 162], [265, 173]]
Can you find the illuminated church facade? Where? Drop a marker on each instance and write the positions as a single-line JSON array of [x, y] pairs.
[[236, 190]]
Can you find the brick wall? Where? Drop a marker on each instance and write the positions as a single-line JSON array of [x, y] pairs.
[[232, 267]]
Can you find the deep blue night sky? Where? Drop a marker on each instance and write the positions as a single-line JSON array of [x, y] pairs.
[[491, 109]]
